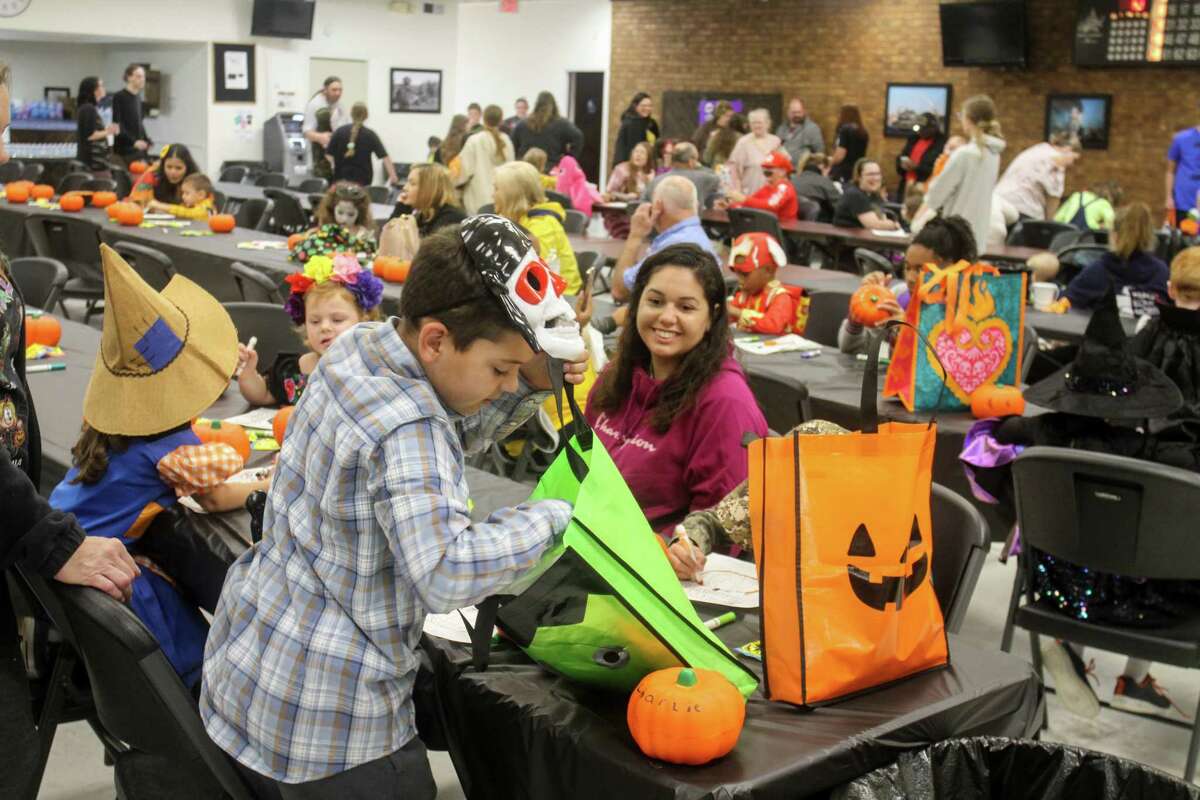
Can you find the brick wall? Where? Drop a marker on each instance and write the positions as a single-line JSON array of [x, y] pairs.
[[846, 51]]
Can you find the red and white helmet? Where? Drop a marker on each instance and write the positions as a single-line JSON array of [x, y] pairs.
[[753, 250]]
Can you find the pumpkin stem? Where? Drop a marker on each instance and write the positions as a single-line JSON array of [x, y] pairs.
[[215, 424], [687, 677]]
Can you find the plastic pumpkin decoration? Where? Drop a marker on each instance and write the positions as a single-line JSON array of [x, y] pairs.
[[222, 223], [215, 431], [104, 199], [42, 191], [42, 329], [997, 401], [138, 167], [295, 239], [391, 268], [115, 209], [279, 423], [71, 202], [685, 716], [130, 214], [16, 193], [864, 304]]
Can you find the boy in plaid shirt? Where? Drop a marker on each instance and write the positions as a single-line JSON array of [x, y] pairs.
[[310, 663]]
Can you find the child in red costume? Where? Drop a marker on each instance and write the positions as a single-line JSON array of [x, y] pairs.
[[778, 195], [761, 304]]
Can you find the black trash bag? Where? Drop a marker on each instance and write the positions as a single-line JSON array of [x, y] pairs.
[[1014, 769]]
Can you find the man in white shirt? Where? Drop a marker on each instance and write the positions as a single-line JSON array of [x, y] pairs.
[[1033, 183], [322, 116]]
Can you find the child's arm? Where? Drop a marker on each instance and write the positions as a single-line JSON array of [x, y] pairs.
[[252, 385], [229, 496], [199, 470], [778, 316], [199, 211]]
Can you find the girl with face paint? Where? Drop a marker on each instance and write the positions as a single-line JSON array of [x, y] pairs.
[[348, 205]]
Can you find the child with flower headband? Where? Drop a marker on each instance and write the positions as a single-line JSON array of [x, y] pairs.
[[343, 224], [330, 295]]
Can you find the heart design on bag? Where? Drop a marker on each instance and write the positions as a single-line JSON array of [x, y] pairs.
[[975, 348]]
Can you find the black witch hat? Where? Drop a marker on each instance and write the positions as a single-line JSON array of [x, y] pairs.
[[1106, 380]]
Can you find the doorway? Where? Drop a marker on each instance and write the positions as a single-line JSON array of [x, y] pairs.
[[585, 98], [352, 73]]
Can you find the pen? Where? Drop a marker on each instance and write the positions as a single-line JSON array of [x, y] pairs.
[[681, 534], [721, 621], [45, 368], [810, 353], [249, 346]]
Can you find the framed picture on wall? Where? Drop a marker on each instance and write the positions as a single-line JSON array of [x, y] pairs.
[[56, 94], [416, 91], [233, 73], [906, 102], [1085, 116]]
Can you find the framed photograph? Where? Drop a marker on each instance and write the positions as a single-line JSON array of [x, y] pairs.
[[233, 73], [416, 91], [1083, 115], [906, 102], [56, 94]]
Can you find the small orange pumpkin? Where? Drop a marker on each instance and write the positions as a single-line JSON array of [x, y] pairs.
[[16, 193], [391, 268], [222, 223], [42, 329], [42, 191], [295, 239], [279, 424], [997, 401], [685, 716], [71, 202], [864, 304], [138, 167], [104, 199], [115, 209], [218, 432], [130, 214]]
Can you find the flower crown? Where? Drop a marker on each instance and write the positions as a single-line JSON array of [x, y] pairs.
[[341, 268]]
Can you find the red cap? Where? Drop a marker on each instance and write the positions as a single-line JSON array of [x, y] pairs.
[[779, 160], [753, 250]]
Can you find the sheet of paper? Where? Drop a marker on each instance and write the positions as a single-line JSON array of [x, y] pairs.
[[780, 344], [450, 626], [727, 582], [260, 418], [893, 234]]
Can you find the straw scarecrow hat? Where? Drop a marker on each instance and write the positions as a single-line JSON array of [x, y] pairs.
[[164, 357]]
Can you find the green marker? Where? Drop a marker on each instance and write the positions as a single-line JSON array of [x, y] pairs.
[[44, 368], [717, 622]]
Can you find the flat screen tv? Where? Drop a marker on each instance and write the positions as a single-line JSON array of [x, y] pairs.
[[984, 34], [287, 19]]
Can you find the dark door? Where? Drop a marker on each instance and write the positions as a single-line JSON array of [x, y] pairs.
[[586, 102]]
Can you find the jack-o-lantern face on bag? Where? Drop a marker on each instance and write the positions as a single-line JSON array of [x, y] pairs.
[[876, 579]]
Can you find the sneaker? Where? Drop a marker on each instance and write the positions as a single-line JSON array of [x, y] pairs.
[[1071, 679], [1146, 697]]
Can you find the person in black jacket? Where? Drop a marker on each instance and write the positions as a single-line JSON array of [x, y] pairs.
[[428, 195], [546, 129], [90, 131], [920, 153], [1171, 341], [637, 125], [132, 141]]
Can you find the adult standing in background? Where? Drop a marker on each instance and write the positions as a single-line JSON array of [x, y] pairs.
[[722, 116], [799, 134], [849, 144], [452, 144], [481, 155], [322, 116], [351, 148], [90, 131], [131, 139], [1183, 172], [1034, 182], [509, 125], [547, 129], [637, 125], [745, 162], [920, 153], [474, 117]]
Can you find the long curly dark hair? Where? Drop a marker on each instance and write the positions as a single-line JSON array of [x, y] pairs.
[[701, 365]]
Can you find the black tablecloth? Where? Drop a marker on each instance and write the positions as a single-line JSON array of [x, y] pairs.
[[516, 731]]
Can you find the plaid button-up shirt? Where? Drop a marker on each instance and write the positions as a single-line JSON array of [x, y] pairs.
[[309, 666]]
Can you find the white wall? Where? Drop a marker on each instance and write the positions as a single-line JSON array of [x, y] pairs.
[[37, 65], [506, 56]]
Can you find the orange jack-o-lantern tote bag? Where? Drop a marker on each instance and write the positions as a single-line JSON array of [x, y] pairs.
[[844, 546]]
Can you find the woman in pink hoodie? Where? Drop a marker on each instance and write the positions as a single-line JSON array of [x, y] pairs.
[[574, 184], [673, 407]]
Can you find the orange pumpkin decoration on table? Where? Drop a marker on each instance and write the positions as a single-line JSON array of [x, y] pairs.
[[115, 209], [104, 199], [864, 304], [295, 239], [16, 193], [71, 202], [42, 329], [222, 223], [391, 268], [215, 431], [129, 214], [280, 422], [138, 167], [997, 401], [686, 716], [42, 191]]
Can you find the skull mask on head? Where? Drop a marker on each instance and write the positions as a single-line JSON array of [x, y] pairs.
[[529, 290]]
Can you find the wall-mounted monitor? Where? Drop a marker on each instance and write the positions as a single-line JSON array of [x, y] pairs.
[[992, 34], [286, 19]]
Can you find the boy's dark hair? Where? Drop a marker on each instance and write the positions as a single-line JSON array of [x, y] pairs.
[[200, 182], [445, 285], [950, 238]]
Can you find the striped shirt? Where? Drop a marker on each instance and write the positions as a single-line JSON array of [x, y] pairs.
[[310, 663]]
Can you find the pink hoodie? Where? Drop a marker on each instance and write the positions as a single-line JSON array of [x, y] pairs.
[[698, 461], [574, 184]]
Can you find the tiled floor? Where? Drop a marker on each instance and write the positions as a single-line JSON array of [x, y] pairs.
[[76, 770]]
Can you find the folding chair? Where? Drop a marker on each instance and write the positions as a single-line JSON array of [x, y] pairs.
[[39, 279], [255, 286], [287, 216], [275, 180], [576, 222], [76, 243], [1038, 233], [312, 186], [73, 181], [784, 405], [380, 194], [254, 213], [961, 540], [100, 185], [270, 324], [153, 266], [869, 261], [560, 198], [233, 174], [827, 308]]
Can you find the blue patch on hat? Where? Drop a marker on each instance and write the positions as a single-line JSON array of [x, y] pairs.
[[159, 345]]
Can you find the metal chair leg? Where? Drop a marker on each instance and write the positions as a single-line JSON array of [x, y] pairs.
[[1189, 772], [1035, 649], [1013, 602]]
